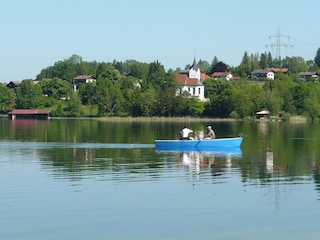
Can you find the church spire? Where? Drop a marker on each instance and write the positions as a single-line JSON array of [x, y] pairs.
[[194, 65]]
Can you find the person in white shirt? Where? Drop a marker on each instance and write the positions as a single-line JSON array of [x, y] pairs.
[[185, 134]]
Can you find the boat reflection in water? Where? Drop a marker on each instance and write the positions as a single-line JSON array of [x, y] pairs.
[[199, 159]]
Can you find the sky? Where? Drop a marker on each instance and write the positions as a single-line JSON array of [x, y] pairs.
[[36, 34]]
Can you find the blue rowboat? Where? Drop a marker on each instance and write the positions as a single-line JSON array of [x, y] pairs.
[[184, 144], [218, 151]]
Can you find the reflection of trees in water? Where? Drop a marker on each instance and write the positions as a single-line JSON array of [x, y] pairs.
[[316, 177], [75, 163]]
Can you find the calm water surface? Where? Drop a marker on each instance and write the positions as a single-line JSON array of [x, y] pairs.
[[89, 179]]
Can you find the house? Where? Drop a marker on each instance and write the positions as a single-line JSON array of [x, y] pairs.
[[29, 113], [13, 86], [190, 82], [222, 75], [82, 79], [262, 73], [306, 76]]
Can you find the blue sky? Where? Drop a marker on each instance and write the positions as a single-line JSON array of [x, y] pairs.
[[37, 33]]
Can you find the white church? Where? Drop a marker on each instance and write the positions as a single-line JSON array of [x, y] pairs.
[[190, 82]]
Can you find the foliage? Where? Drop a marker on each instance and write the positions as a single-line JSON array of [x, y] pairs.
[[74, 105], [317, 58], [156, 75], [56, 88], [87, 93], [29, 95], [7, 99], [109, 97], [133, 88]]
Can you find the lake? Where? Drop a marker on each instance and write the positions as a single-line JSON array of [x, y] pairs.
[[92, 179]]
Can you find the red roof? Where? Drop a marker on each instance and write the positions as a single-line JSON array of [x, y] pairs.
[[28, 112], [203, 76], [184, 80], [276, 70], [218, 74]]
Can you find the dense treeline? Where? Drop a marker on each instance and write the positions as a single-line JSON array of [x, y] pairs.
[[133, 88]]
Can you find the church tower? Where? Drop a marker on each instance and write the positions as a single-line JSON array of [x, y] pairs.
[[194, 71]]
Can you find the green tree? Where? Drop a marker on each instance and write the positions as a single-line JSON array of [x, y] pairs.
[[56, 88], [7, 99], [87, 93], [29, 95], [139, 70], [247, 98], [109, 97], [74, 105], [105, 70], [156, 75], [204, 66], [148, 102], [317, 57], [221, 102], [297, 64], [312, 108], [300, 93], [68, 69], [194, 107], [263, 61], [213, 64]]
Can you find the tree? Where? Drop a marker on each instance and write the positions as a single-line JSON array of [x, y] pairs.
[[269, 60], [300, 93], [156, 75], [317, 57], [263, 61], [29, 95], [247, 98], [245, 68], [147, 102], [213, 63], [221, 100], [139, 70], [109, 97], [297, 64], [204, 66], [56, 88], [68, 69], [104, 70], [255, 64], [7, 99], [194, 107], [74, 105], [166, 99], [87, 93]]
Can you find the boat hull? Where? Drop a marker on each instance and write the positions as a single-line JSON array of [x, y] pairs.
[[233, 151], [184, 144]]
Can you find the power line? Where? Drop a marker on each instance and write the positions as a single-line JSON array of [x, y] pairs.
[[278, 44]]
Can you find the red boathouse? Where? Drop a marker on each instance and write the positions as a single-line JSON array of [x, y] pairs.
[[29, 113]]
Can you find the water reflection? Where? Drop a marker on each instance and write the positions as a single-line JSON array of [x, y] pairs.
[[269, 161], [216, 161]]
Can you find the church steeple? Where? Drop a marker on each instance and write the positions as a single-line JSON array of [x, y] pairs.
[[194, 65], [194, 71]]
